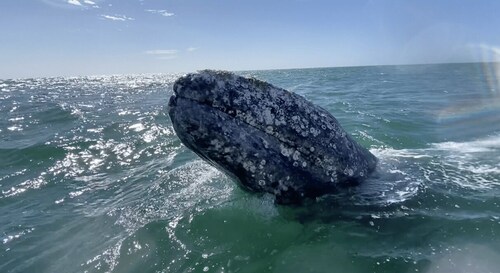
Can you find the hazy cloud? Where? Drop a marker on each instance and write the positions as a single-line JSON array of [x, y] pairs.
[[74, 2], [163, 54], [116, 17], [161, 12], [161, 51], [191, 49], [84, 3]]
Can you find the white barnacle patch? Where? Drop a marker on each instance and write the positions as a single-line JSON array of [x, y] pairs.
[[274, 93], [318, 161], [305, 121], [237, 101], [315, 132], [348, 171], [333, 178], [280, 121], [311, 149], [262, 164], [249, 166], [268, 116], [266, 144], [216, 144], [286, 151], [246, 96], [221, 85], [269, 129], [248, 119], [296, 155], [282, 186], [258, 95]]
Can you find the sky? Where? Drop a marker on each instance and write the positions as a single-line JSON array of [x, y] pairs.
[[96, 37]]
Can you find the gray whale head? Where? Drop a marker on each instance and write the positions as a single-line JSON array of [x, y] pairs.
[[264, 137]]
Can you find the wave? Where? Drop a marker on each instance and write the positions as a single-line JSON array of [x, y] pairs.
[[25, 156], [469, 165], [488, 144], [59, 113]]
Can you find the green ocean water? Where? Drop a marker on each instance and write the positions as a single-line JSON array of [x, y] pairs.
[[94, 179]]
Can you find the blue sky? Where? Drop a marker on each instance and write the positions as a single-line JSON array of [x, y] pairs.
[[93, 37]]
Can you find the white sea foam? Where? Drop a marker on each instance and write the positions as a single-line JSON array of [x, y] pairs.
[[398, 177], [470, 165], [481, 145], [14, 128], [137, 127], [387, 152]]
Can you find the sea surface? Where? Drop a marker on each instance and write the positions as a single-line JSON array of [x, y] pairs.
[[94, 179]]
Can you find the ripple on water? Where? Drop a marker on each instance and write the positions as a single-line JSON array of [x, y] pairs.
[[170, 195]]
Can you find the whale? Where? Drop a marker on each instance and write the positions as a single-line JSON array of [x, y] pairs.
[[265, 138]]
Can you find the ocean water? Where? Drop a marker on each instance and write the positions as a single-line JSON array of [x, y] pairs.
[[94, 179]]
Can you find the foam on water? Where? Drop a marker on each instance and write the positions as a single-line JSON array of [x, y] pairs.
[[472, 164], [396, 179], [488, 144], [468, 164]]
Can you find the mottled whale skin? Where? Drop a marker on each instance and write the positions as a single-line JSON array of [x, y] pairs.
[[264, 137]]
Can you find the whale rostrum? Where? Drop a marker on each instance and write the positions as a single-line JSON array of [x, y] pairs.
[[266, 138]]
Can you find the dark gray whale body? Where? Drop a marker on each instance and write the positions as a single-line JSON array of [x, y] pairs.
[[268, 139]]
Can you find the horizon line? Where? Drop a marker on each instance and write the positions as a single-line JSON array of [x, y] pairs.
[[245, 70]]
